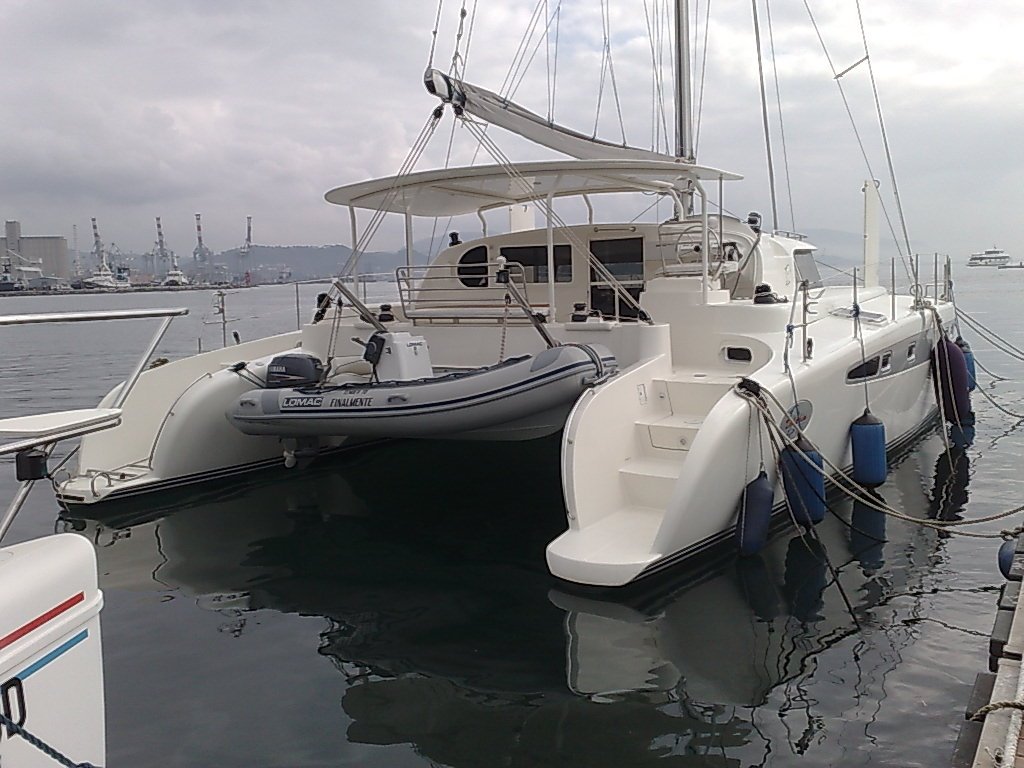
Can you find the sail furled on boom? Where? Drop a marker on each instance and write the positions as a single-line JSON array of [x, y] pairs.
[[497, 110]]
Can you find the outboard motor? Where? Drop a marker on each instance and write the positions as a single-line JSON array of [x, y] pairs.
[[294, 371]]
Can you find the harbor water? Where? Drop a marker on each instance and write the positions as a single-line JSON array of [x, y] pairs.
[[391, 606]]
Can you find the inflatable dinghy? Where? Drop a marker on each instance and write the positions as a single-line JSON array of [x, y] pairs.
[[531, 394]]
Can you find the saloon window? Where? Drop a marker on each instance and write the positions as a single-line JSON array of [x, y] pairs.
[[865, 370], [624, 258], [534, 259], [472, 271]]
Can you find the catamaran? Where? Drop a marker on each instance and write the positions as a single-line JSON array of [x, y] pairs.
[[692, 331]]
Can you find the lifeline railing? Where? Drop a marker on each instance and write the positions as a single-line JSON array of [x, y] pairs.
[[43, 431], [460, 292]]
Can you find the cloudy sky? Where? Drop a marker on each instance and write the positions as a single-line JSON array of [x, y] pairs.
[[126, 111]]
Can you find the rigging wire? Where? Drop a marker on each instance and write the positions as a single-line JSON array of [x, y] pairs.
[[658, 127], [611, 73], [433, 40], [526, 66], [778, 105], [703, 74], [764, 114], [911, 268], [554, 63], [453, 70], [881, 126], [520, 54]]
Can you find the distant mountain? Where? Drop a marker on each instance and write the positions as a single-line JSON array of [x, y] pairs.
[[840, 249], [306, 262]]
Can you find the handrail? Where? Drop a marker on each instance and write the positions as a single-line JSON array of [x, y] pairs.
[[437, 287], [54, 318], [84, 317]]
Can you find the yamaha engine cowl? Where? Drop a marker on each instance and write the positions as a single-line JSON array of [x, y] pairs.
[[294, 371]]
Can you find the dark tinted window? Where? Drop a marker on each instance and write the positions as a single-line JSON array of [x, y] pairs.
[[534, 259], [623, 258], [470, 275], [864, 370]]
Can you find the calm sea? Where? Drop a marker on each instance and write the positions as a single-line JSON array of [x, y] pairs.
[[392, 607]]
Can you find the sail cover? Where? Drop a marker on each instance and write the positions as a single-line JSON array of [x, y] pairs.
[[506, 114]]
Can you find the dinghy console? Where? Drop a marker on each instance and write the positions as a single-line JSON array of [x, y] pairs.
[[397, 356]]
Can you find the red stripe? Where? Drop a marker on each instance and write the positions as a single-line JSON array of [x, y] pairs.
[[38, 622]]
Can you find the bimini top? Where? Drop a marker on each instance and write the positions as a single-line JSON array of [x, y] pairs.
[[454, 191]]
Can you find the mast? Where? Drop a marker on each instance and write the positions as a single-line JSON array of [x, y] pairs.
[[684, 96]]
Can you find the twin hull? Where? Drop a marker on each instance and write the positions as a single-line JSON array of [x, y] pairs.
[[687, 499], [176, 434]]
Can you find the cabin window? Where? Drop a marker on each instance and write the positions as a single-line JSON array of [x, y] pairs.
[[472, 271], [738, 354], [534, 259], [912, 352], [807, 268], [887, 362], [623, 258], [865, 370]]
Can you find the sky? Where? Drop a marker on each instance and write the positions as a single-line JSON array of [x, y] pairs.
[[128, 111]]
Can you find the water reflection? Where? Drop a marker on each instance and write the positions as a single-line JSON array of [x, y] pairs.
[[452, 637]]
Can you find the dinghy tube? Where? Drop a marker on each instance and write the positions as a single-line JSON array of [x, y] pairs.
[[518, 391]]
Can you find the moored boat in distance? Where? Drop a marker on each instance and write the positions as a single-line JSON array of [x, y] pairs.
[[990, 257]]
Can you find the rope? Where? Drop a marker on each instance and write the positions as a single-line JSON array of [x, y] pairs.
[[978, 716], [1003, 345], [504, 327], [433, 35], [858, 493], [42, 746]]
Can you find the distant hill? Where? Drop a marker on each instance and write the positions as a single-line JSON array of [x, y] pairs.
[[311, 261], [840, 249]]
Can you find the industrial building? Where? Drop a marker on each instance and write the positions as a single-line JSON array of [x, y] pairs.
[[28, 258]]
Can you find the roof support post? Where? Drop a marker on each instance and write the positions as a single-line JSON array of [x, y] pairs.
[[551, 255], [408, 239], [705, 243]]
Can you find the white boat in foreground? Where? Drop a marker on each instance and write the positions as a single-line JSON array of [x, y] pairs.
[[655, 458], [51, 667]]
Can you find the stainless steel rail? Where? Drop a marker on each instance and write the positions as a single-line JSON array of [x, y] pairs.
[[48, 441]]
